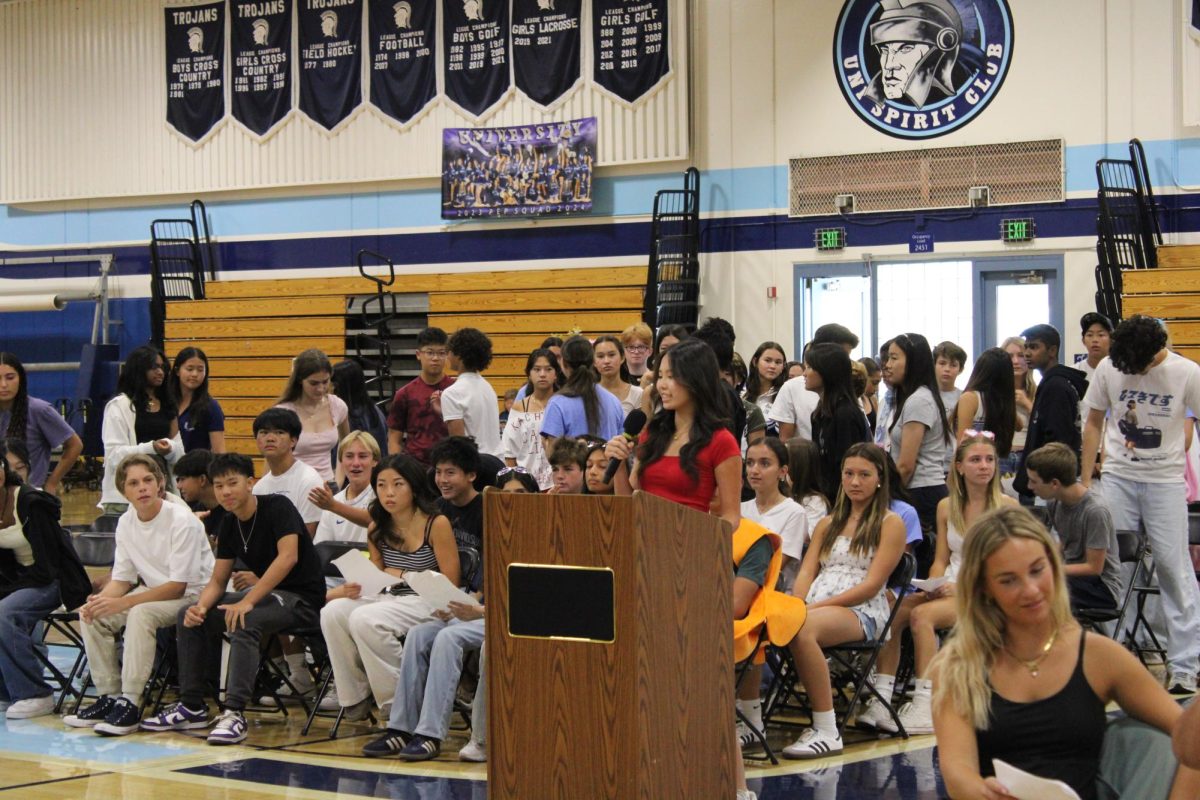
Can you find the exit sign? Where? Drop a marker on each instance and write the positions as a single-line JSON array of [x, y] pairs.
[[830, 238], [1018, 230]]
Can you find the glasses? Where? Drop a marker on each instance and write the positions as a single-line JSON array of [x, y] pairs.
[[971, 433], [434, 353], [637, 348]]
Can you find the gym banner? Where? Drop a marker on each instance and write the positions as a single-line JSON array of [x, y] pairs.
[[330, 59], [261, 47], [475, 39], [520, 171], [630, 46], [403, 51], [545, 48], [195, 37]]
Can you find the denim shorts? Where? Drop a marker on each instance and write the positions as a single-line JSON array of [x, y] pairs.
[[868, 624]]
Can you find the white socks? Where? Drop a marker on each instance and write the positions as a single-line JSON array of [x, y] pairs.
[[295, 663], [924, 692], [825, 723], [752, 711], [885, 685]]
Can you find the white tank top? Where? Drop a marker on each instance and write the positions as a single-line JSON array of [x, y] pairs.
[[954, 541]]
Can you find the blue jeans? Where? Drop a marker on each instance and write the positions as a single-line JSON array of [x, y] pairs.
[[429, 673], [1162, 510], [20, 670]]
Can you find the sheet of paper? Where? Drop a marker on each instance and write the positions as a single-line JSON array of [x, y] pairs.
[[357, 568], [1026, 786], [930, 584], [437, 590]]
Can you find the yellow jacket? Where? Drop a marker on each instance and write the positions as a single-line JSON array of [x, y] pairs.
[[783, 614]]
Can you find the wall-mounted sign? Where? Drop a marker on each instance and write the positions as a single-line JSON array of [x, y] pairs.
[[916, 69], [920, 243]]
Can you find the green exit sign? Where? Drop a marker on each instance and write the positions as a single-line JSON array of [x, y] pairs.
[[1018, 230], [830, 238]]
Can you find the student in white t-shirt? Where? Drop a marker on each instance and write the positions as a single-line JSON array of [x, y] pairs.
[[163, 546], [1147, 389], [793, 408], [276, 432], [469, 407]]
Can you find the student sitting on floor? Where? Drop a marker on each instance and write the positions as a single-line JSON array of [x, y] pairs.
[[1021, 682], [1084, 526], [269, 536], [162, 546]]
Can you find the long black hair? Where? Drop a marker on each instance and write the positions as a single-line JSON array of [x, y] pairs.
[[680, 332], [833, 365], [531, 362], [424, 499], [755, 382], [132, 382], [992, 377], [616, 341], [693, 366], [918, 372], [19, 416], [350, 385], [578, 355], [200, 398]]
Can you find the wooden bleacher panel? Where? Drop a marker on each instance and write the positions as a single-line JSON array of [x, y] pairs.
[[289, 305], [1173, 256], [1171, 293], [547, 324]]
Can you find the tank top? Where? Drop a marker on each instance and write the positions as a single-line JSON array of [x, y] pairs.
[[420, 560], [954, 541], [1058, 737]]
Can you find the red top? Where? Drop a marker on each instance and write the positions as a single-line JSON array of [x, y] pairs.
[[666, 478]]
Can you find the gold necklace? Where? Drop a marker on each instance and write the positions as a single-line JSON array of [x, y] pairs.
[[1034, 665]]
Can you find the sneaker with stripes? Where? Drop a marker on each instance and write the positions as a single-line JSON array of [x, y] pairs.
[[813, 744]]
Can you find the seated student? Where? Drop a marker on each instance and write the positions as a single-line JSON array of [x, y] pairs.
[[1020, 681], [597, 465], [431, 669], [191, 478], [363, 635], [455, 466], [268, 535], [568, 467], [804, 470], [901, 504], [276, 432], [844, 581], [974, 490], [38, 571], [162, 547], [1084, 526], [468, 407], [345, 515], [581, 407]]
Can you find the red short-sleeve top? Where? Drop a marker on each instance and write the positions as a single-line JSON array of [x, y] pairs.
[[666, 478]]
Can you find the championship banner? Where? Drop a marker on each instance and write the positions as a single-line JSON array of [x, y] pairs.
[[522, 171], [195, 38], [545, 48], [630, 46], [261, 45], [475, 38], [403, 41], [330, 59]]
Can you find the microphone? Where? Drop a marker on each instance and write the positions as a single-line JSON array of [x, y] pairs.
[[633, 426]]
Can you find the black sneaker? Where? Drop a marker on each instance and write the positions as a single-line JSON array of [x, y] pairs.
[[389, 744], [123, 718], [92, 715], [421, 748]]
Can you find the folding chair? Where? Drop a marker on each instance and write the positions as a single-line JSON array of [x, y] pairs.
[[1141, 590], [742, 669], [1131, 547], [328, 552]]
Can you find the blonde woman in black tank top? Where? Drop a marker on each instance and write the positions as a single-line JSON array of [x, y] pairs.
[[406, 534], [1021, 682]]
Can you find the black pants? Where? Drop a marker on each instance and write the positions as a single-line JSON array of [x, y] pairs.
[[925, 500], [1088, 591]]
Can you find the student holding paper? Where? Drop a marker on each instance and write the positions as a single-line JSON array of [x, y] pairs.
[[1021, 682], [974, 490], [406, 534]]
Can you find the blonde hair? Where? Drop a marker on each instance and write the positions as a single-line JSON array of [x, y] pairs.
[[145, 460], [962, 665], [1028, 385], [362, 437], [870, 528], [958, 485]]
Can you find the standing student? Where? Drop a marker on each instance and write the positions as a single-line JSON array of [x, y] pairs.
[[324, 417], [1143, 469], [34, 422], [522, 440], [870, 398], [837, 421], [414, 425], [988, 403], [163, 560], [276, 432], [1096, 331], [614, 372], [637, 340], [350, 385], [581, 407], [469, 406], [948, 362], [1055, 415], [766, 376], [1024, 392], [140, 419], [200, 418], [267, 534]]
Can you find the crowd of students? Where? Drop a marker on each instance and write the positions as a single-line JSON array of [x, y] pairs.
[[825, 481]]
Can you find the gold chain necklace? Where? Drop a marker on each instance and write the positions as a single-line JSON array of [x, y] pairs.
[[1035, 664]]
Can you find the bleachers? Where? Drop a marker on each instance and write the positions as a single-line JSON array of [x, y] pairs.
[[252, 329], [1171, 292]]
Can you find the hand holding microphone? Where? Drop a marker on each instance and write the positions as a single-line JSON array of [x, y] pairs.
[[620, 447]]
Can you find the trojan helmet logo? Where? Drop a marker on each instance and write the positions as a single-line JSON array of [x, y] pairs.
[[922, 68]]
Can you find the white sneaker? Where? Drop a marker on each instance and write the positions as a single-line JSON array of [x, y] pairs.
[[746, 794], [813, 744], [1181, 683], [31, 707], [473, 751], [916, 717], [874, 715], [745, 734]]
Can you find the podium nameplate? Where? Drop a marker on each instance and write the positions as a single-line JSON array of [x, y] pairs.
[[554, 601]]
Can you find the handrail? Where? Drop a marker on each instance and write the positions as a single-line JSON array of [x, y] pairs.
[[391, 268]]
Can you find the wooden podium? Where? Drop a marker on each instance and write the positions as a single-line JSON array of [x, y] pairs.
[[609, 649]]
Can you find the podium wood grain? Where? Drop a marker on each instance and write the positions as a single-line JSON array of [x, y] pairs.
[[647, 716]]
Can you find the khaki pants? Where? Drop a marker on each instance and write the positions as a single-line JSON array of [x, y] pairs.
[[141, 623]]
